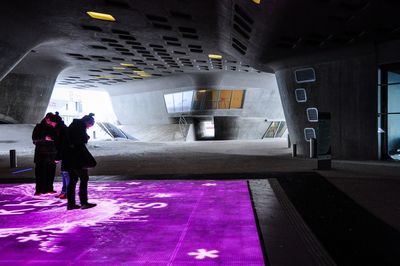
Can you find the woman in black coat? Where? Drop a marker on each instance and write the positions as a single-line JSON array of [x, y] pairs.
[[45, 155], [77, 160]]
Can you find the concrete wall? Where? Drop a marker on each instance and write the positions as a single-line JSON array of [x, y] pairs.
[[345, 87], [142, 105], [24, 97], [154, 133]]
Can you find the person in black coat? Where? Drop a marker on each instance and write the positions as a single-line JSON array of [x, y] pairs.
[[77, 160], [43, 136], [62, 145]]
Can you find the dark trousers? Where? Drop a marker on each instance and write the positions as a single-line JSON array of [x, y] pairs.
[[44, 176], [74, 175]]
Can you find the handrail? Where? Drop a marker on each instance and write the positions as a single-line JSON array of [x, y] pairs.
[[182, 125]]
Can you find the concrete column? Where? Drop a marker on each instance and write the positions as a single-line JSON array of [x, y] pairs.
[[347, 88], [24, 97]]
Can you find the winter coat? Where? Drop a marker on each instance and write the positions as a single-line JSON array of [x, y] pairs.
[[78, 156], [62, 144], [45, 150]]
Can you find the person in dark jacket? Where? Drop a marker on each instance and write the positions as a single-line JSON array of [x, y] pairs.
[[78, 160], [62, 146], [45, 154]]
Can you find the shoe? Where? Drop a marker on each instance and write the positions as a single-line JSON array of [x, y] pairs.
[[88, 206], [51, 192], [38, 193], [73, 207], [62, 196]]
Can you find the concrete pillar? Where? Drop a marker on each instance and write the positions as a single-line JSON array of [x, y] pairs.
[[24, 97], [347, 88]]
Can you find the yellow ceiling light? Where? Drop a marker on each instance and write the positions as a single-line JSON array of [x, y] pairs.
[[133, 76], [142, 73], [257, 1], [215, 56], [119, 68], [127, 64], [101, 16], [106, 77]]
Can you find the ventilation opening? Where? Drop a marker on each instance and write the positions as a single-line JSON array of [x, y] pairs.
[[162, 26], [156, 18], [241, 32], [241, 48], [180, 15], [118, 4], [123, 32], [241, 23], [98, 47], [127, 37], [92, 28], [243, 14]]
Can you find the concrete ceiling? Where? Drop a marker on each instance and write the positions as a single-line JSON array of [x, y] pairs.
[[167, 37]]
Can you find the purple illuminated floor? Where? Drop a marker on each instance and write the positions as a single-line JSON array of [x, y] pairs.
[[135, 223]]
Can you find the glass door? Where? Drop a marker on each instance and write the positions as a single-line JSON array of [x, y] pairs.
[[389, 112]]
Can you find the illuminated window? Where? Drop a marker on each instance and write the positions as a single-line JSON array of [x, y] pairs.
[[203, 99], [237, 99], [224, 99]]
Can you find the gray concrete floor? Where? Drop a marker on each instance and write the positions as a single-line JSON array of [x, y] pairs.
[[372, 184]]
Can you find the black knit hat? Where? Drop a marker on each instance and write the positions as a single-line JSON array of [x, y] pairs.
[[88, 118], [55, 118]]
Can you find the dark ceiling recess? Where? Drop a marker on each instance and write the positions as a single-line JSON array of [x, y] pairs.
[[242, 28], [92, 28], [117, 31], [118, 3], [180, 15], [99, 47]]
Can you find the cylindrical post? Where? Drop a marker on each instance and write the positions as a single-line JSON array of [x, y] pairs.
[[13, 159], [288, 141], [313, 150], [294, 150]]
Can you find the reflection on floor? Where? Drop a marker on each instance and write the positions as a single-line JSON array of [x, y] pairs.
[[140, 223]]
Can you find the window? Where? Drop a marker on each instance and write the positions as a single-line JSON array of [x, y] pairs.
[[309, 133], [304, 75], [301, 95], [203, 99], [312, 114]]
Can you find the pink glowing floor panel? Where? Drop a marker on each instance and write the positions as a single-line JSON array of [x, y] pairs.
[[135, 223]]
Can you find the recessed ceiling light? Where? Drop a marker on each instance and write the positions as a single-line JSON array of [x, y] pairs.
[[215, 56], [127, 64], [119, 68], [257, 1], [101, 16]]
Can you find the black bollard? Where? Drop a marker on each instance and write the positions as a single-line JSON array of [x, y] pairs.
[[313, 148], [13, 159], [294, 150]]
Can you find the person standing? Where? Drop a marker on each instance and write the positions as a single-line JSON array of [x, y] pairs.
[[45, 152], [62, 146], [78, 160]]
